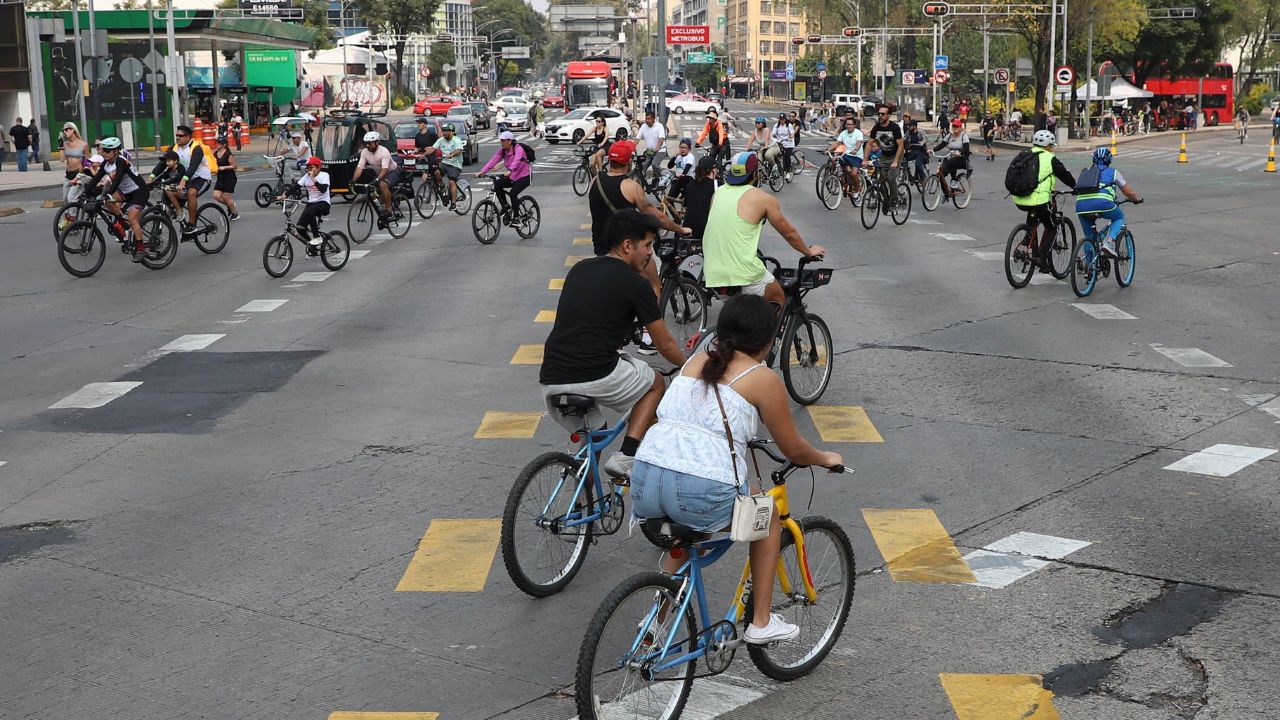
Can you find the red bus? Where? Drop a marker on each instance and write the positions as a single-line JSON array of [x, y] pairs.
[[588, 83], [1214, 93]]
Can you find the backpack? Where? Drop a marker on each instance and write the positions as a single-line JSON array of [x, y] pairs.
[[529, 154], [1090, 180], [1023, 175]]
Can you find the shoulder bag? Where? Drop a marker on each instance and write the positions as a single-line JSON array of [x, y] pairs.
[[751, 513]]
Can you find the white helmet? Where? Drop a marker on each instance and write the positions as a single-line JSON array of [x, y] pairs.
[[372, 136], [1043, 138], [111, 143]]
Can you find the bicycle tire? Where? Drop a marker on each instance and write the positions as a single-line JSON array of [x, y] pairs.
[[870, 206], [609, 645], [931, 194], [684, 309], [799, 163], [277, 256], [1019, 260], [161, 240], [264, 195], [425, 201], [463, 206], [485, 222], [1084, 268], [776, 181], [68, 213], [515, 544], [903, 206], [83, 241], [1125, 259], [213, 228], [581, 180], [361, 220], [802, 351], [400, 220], [1063, 249], [775, 660], [960, 198], [530, 218], [335, 250]]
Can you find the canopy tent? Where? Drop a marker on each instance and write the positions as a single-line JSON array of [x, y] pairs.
[[1121, 89]]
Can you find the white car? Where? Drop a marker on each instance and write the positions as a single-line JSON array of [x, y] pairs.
[[510, 102], [573, 125], [689, 102]]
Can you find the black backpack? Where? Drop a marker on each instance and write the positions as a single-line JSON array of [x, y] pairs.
[[529, 154], [1023, 175], [1090, 180]]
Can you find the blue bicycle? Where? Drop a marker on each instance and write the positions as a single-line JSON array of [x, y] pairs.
[[640, 653], [1088, 262], [559, 503]]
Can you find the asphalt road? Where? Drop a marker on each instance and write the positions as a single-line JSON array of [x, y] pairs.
[[288, 513]]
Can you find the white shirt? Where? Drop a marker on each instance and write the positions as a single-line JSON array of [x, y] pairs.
[[684, 164], [1015, 116], [315, 194], [184, 160], [302, 150], [653, 136], [783, 134]]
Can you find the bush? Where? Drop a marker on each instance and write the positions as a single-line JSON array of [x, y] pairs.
[[1256, 99], [401, 100]]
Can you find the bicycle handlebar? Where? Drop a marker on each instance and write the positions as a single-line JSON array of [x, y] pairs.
[[787, 466]]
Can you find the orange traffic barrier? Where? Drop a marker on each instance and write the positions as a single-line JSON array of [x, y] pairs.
[[1271, 157], [1182, 149]]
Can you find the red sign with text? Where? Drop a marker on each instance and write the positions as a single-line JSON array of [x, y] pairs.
[[688, 34]]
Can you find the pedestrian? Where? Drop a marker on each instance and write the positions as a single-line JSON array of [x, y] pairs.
[[539, 119], [225, 184], [988, 134], [73, 152], [35, 140], [237, 124], [21, 143]]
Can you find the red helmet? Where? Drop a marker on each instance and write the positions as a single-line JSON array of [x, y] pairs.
[[956, 124], [314, 161]]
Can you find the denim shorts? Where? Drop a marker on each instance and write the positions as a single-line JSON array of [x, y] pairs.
[[702, 504]]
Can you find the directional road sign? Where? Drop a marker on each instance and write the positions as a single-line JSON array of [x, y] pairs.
[[729, 70], [941, 62], [1002, 75]]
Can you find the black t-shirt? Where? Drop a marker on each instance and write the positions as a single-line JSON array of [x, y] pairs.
[[601, 300], [424, 140], [887, 136], [21, 137], [611, 185], [697, 203]]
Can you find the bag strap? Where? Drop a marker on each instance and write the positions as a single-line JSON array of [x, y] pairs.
[[603, 195], [728, 433]]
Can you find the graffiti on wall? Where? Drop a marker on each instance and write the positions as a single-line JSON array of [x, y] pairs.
[[351, 92]]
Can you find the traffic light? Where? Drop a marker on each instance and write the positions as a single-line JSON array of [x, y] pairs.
[[851, 32], [936, 9], [797, 41], [815, 39]]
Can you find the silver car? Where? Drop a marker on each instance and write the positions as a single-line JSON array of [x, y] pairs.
[[517, 120]]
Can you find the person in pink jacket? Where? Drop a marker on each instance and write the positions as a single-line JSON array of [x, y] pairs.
[[509, 187]]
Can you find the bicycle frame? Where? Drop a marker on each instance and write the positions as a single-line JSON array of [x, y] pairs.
[[588, 456]]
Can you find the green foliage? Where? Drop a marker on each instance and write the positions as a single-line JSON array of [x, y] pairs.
[[399, 19], [315, 15], [1177, 48], [442, 53], [525, 23], [1256, 99], [401, 100]]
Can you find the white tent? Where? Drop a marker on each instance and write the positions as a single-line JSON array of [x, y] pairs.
[[1121, 89]]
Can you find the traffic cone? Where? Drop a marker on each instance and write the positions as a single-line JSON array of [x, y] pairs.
[[1182, 149], [1113, 144], [1271, 157]]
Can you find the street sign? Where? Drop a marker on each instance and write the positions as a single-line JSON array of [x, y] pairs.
[[515, 52], [822, 74], [265, 8], [700, 58], [1013, 86], [688, 34], [791, 71], [941, 62], [941, 76], [935, 9], [850, 32], [1002, 75], [822, 67], [1064, 75], [908, 77], [729, 70], [426, 72], [1023, 66], [1273, 37]]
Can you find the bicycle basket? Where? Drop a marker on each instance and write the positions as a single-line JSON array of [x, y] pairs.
[[808, 279]]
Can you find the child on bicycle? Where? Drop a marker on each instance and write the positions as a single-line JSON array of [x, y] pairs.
[[1096, 198], [683, 165], [315, 183]]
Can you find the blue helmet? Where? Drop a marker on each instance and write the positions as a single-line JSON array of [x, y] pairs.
[[761, 120], [1102, 157]]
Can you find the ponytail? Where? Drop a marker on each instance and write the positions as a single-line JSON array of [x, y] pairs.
[[719, 355], [746, 324]]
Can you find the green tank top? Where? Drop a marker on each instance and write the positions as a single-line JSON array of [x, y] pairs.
[[729, 244]]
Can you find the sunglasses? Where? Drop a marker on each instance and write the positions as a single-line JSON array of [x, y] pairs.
[[181, 135]]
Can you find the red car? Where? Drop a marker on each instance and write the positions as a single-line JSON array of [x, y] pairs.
[[435, 105], [553, 101]]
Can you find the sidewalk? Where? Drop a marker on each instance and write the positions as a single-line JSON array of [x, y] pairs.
[[1087, 145]]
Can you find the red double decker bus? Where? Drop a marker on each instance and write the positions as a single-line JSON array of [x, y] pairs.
[[1214, 95]]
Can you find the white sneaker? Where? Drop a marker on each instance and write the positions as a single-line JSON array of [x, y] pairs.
[[314, 242], [619, 465], [646, 344], [778, 629], [1109, 247]]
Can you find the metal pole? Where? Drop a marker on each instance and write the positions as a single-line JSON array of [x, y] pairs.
[[217, 85], [1053, 40], [666, 64], [39, 102], [937, 33], [171, 62], [1088, 91], [93, 74], [75, 26], [986, 62], [155, 101]]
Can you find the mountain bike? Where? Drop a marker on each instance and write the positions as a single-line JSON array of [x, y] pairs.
[[640, 653], [833, 183], [585, 172], [432, 194], [212, 228], [958, 188], [277, 256], [1023, 245], [266, 193], [771, 173], [1242, 131], [1088, 262], [673, 207], [82, 249], [876, 200], [487, 220], [367, 210]]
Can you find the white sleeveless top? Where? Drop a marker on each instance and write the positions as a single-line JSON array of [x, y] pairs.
[[689, 435]]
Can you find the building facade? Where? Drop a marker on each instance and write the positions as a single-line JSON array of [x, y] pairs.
[[758, 36], [699, 12], [455, 18]]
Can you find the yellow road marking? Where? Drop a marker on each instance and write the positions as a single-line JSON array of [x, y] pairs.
[[545, 316], [849, 423], [453, 556], [556, 284], [584, 226], [575, 259], [527, 355], [998, 697], [360, 715], [508, 425], [917, 547], [582, 241], [820, 361]]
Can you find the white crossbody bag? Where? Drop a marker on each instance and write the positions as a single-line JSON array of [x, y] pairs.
[[751, 513]]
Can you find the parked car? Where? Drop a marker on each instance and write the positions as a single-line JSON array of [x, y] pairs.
[[553, 100], [480, 111], [406, 130], [435, 105], [573, 125], [688, 102], [462, 114], [509, 102]]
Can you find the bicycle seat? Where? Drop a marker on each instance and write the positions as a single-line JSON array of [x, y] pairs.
[[673, 529], [571, 405]]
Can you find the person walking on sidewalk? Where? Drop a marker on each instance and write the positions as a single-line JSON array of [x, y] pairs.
[[21, 143], [35, 140]]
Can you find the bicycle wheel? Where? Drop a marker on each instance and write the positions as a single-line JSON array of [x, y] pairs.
[[1019, 257], [1124, 258], [775, 178], [1084, 268], [264, 195], [614, 677], [277, 256], [581, 180], [425, 200], [485, 222], [160, 238], [684, 309], [213, 229], [798, 163], [81, 249], [463, 206], [361, 219], [528, 218], [961, 196], [67, 214], [828, 188], [931, 194], [335, 250], [870, 212], [400, 218], [901, 210], [1064, 245], [828, 560], [541, 554], [806, 358]]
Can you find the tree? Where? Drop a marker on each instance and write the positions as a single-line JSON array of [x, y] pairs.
[[441, 54], [1254, 20], [397, 19], [1178, 48]]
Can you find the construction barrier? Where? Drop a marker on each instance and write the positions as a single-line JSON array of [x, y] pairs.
[[1271, 157]]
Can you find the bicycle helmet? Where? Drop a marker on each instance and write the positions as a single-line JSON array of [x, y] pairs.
[[111, 143], [1043, 138], [447, 126], [1102, 157], [314, 161], [373, 136], [760, 120]]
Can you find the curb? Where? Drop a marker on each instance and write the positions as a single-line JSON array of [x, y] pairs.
[[6, 212]]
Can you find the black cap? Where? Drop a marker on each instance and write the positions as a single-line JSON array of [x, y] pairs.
[[706, 163]]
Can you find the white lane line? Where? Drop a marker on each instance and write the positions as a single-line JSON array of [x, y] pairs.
[[1217, 160], [3, 463], [187, 343], [95, 395], [708, 700], [319, 276], [1103, 311], [986, 254], [1272, 408], [291, 286], [1220, 460], [1190, 357], [1043, 279], [1255, 400], [261, 305], [1010, 559], [1252, 164], [953, 236], [357, 254], [914, 221]]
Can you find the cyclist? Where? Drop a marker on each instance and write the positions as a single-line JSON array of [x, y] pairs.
[[196, 177], [315, 182], [715, 133], [762, 136], [684, 469], [602, 300], [730, 244], [1096, 198], [683, 164], [449, 148], [784, 134], [376, 158], [299, 149], [849, 143], [698, 195], [598, 138], [889, 136], [957, 144], [1049, 170], [917, 153], [654, 137], [224, 186], [1242, 121], [1275, 124], [509, 186], [123, 179]]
